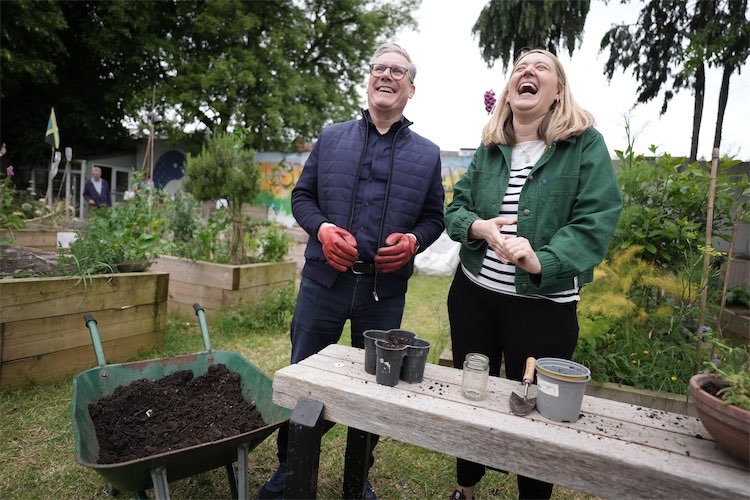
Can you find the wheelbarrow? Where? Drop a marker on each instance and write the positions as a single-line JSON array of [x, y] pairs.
[[157, 470]]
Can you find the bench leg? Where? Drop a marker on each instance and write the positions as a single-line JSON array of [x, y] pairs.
[[356, 462], [303, 456]]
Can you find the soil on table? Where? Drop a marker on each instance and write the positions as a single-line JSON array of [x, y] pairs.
[[148, 417]]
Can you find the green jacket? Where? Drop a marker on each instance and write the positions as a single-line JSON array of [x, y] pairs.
[[568, 209]]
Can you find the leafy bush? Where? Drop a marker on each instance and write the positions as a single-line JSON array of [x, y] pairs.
[[638, 323], [127, 237], [665, 203]]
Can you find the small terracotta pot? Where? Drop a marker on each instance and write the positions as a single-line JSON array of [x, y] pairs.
[[729, 425]]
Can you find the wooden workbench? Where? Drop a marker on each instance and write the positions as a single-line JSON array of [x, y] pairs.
[[613, 450]]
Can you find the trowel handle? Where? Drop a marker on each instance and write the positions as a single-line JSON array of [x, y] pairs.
[[528, 371]]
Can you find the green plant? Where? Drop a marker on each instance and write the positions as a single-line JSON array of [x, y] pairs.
[[636, 323], [731, 363], [225, 168], [665, 202], [11, 216], [739, 295], [127, 237], [266, 241]]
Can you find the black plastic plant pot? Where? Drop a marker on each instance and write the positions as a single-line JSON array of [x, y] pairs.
[[370, 356], [388, 363], [412, 369]]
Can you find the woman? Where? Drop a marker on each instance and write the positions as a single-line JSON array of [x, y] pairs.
[[534, 214]]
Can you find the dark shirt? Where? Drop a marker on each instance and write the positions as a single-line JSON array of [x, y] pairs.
[[102, 199]]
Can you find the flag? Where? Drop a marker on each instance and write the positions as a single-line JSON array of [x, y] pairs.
[[53, 133]]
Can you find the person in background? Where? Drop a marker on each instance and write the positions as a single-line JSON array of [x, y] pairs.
[[96, 190], [370, 196], [534, 214]]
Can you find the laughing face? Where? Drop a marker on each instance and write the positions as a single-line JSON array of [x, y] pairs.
[[384, 93], [533, 86]]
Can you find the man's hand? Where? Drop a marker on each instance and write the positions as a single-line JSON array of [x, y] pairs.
[[399, 250], [339, 247]]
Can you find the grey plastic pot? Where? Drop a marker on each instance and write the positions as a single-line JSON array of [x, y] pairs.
[[412, 369], [370, 356], [388, 363]]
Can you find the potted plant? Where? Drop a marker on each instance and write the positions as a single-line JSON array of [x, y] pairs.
[[721, 395]]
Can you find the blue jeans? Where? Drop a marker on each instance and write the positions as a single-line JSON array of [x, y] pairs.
[[320, 315], [321, 312]]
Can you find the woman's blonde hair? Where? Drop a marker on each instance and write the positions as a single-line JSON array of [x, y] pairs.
[[565, 118]]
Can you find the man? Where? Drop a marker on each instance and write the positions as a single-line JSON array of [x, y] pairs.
[[96, 190], [370, 196]]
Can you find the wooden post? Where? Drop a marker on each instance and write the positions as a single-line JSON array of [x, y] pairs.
[[709, 230]]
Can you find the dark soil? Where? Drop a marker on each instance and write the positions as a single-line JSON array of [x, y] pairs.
[[394, 341], [148, 417], [714, 386]]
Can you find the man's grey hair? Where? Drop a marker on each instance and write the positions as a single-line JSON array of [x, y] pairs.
[[392, 47], [96, 169]]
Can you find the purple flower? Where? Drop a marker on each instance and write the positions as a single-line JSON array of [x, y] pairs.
[[704, 329], [489, 101], [9, 170], [716, 361]]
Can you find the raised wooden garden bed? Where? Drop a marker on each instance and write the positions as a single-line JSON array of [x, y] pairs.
[[41, 239], [219, 287], [43, 337]]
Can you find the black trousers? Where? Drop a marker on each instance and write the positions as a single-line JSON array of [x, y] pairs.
[[509, 328]]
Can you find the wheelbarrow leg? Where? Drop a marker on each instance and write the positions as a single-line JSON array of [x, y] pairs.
[[161, 486], [240, 491], [303, 456]]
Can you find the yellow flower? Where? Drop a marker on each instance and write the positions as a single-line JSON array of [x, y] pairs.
[[645, 352], [674, 378]]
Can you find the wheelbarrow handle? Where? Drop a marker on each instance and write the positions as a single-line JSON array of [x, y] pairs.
[[94, 332], [204, 326]]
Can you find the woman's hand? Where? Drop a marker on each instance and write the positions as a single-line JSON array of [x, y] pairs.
[[489, 230], [518, 251], [509, 249]]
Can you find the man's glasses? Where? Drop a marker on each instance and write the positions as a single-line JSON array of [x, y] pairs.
[[397, 72]]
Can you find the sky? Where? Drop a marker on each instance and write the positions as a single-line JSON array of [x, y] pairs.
[[448, 105]]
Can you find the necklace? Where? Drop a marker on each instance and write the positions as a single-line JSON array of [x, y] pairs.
[[526, 156]]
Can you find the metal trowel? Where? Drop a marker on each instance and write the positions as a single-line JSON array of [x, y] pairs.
[[523, 406]]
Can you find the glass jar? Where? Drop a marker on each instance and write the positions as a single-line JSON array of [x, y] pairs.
[[475, 375]]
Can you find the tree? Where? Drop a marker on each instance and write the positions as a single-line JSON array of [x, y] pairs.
[[505, 27], [225, 168], [673, 41], [280, 69]]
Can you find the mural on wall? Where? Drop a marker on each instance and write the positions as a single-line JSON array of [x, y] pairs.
[[168, 170], [280, 171]]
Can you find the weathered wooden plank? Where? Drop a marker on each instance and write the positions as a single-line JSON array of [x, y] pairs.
[[39, 239], [644, 426], [54, 366], [41, 336], [433, 415], [24, 298], [182, 292], [204, 273], [266, 273]]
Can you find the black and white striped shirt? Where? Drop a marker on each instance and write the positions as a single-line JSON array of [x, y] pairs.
[[495, 275]]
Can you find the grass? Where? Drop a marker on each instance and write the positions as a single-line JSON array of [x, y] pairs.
[[36, 455]]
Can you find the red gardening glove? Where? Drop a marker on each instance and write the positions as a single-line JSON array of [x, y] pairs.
[[399, 250], [339, 247]]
